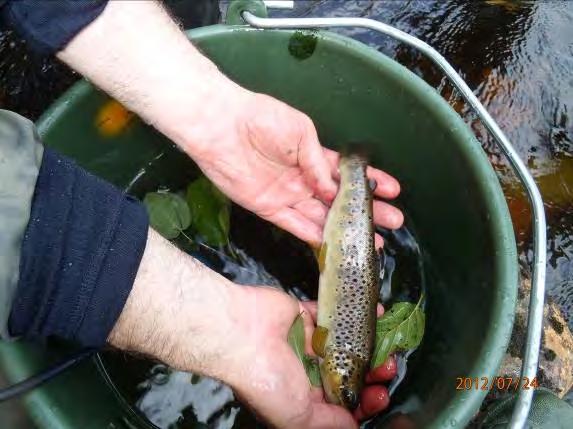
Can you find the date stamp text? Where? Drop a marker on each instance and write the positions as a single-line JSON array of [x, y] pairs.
[[499, 383]]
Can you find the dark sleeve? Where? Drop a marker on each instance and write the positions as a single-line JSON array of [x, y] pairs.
[[48, 26], [80, 254]]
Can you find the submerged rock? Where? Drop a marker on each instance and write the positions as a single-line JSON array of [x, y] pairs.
[[556, 355], [556, 360]]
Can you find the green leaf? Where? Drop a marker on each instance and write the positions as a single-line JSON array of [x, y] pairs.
[[312, 370], [296, 337], [401, 328], [210, 211], [296, 340], [169, 214]]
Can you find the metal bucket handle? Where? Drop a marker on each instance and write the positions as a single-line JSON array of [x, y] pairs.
[[537, 295]]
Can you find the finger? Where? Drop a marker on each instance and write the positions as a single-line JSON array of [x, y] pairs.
[[308, 324], [313, 209], [379, 310], [294, 222], [312, 308], [378, 242], [386, 215], [333, 158], [388, 186], [326, 416], [316, 394], [314, 164], [383, 373], [374, 399]]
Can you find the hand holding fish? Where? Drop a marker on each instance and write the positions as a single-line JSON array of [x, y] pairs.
[[266, 157], [273, 380]]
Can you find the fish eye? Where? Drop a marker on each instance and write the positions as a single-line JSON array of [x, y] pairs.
[[349, 397]]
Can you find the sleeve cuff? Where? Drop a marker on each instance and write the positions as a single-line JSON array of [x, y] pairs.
[[80, 255], [48, 26]]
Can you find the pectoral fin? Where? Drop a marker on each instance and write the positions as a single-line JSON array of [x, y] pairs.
[[319, 337], [320, 255]]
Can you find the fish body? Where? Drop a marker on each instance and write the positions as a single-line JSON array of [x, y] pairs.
[[348, 287]]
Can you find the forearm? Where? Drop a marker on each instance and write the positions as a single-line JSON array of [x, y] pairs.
[[136, 53], [178, 311]]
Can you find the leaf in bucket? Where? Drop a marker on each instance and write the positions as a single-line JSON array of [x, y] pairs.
[[296, 341], [210, 211], [312, 370], [168, 213], [296, 337], [401, 328]]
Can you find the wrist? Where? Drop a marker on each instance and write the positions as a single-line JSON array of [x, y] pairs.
[[178, 312], [202, 332], [208, 119]]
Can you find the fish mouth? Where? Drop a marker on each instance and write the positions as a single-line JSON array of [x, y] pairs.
[[343, 395], [349, 398], [340, 389]]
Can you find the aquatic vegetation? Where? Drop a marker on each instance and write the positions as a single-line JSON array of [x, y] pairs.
[[205, 210], [296, 340], [210, 211], [169, 214], [399, 329]]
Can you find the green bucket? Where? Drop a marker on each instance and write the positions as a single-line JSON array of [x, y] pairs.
[[450, 194]]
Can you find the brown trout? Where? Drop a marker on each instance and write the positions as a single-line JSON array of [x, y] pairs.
[[348, 287]]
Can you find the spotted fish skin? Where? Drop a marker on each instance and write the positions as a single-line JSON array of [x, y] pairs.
[[348, 287]]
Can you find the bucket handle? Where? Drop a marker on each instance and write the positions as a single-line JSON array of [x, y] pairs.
[[537, 294]]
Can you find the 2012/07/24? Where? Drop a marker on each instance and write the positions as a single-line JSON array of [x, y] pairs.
[[499, 383]]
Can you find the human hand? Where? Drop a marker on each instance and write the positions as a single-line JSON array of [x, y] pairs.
[[267, 375], [266, 156]]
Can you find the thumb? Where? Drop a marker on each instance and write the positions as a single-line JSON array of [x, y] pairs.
[[314, 165]]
